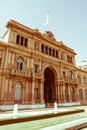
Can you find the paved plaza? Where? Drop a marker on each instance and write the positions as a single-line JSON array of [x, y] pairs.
[[67, 125], [34, 112]]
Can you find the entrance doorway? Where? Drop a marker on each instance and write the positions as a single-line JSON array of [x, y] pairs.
[[49, 86]]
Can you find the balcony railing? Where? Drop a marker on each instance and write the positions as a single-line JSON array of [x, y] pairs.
[[13, 71], [68, 80], [23, 72], [17, 72]]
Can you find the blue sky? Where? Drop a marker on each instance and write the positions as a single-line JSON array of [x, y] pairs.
[[67, 20]]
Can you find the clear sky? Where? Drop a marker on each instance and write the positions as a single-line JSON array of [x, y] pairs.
[[67, 20]]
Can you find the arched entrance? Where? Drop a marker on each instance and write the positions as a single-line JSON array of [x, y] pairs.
[[49, 86]]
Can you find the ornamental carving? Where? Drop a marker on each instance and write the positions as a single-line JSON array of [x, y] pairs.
[[36, 46], [49, 35]]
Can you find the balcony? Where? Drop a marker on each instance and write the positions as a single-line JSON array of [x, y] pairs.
[[16, 72], [25, 73], [36, 74], [68, 80], [73, 81]]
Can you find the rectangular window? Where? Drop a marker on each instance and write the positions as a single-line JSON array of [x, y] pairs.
[[84, 80], [36, 68], [50, 51], [26, 42], [17, 39], [21, 66], [57, 54], [63, 73], [42, 48], [79, 79], [53, 53], [22, 39], [46, 50]]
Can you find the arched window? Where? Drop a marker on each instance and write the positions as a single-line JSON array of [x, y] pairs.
[[18, 92], [19, 64]]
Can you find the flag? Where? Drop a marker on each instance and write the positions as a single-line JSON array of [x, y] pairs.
[[47, 19]]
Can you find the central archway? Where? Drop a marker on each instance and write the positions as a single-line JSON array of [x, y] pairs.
[[49, 86]]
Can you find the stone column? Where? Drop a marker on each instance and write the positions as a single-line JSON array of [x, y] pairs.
[[27, 69], [10, 89], [9, 58], [12, 62], [33, 101], [13, 59], [6, 89], [69, 94], [61, 72], [3, 88], [56, 92], [23, 95], [59, 93], [6, 58], [40, 66], [32, 66], [56, 87], [42, 91], [63, 93], [27, 92], [27, 62]]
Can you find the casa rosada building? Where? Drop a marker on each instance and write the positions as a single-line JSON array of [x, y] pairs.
[[36, 70]]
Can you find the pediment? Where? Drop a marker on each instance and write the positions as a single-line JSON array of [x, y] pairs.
[[49, 35]]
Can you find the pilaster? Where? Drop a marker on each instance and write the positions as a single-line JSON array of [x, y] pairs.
[[33, 84], [42, 90]]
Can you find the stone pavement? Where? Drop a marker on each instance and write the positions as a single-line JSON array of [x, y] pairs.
[[72, 125], [64, 126]]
